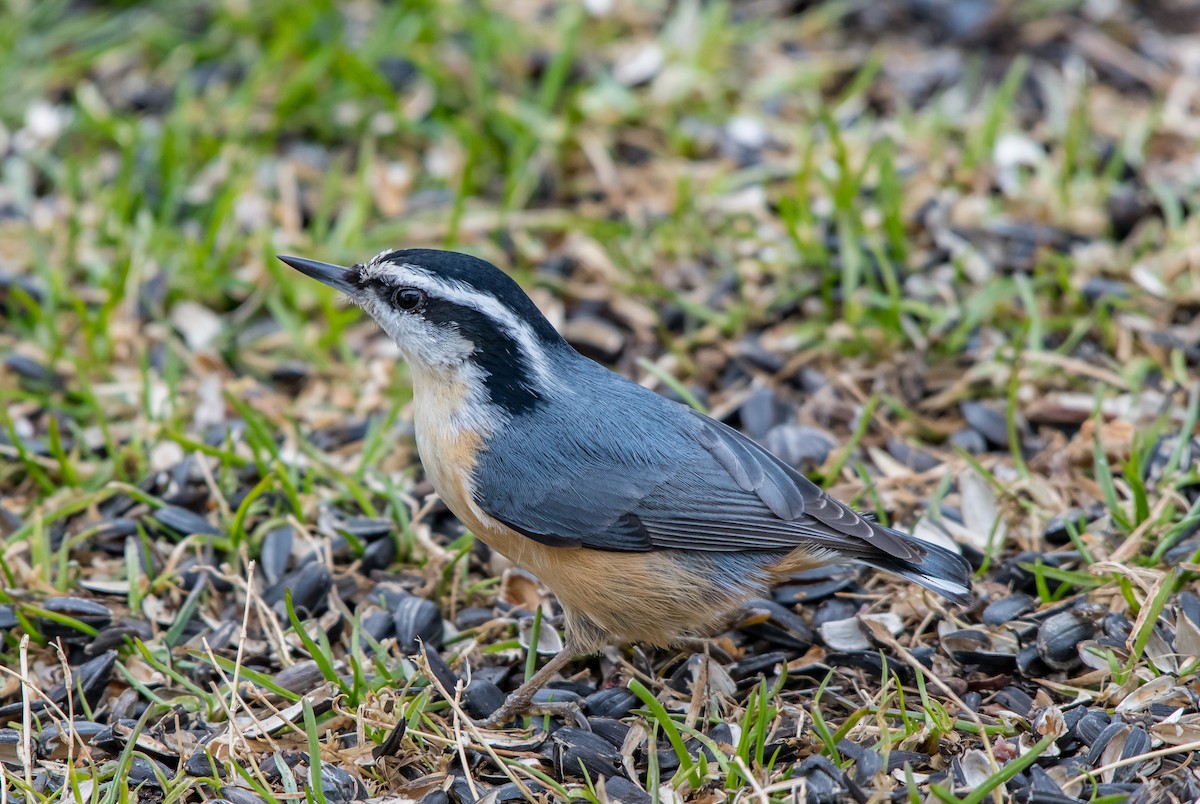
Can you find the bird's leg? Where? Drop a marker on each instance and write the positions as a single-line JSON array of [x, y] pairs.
[[521, 699]]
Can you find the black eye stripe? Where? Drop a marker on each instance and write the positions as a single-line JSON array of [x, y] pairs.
[[507, 375]]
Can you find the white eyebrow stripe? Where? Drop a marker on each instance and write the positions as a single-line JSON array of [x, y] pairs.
[[460, 293]]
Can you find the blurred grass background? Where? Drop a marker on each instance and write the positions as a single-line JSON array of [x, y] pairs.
[[934, 202]]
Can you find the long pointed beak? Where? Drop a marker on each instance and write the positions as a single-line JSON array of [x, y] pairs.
[[335, 276]]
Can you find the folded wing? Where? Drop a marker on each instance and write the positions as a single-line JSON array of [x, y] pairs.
[[715, 490]]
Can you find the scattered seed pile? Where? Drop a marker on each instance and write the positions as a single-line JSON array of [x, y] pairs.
[[939, 255]]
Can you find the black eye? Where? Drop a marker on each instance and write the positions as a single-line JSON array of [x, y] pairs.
[[408, 298]]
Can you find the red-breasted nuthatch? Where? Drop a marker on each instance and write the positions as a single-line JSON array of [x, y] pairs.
[[649, 521]]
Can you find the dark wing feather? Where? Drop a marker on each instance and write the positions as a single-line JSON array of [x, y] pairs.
[[791, 496], [768, 480]]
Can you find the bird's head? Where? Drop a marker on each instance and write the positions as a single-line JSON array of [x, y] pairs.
[[454, 317]]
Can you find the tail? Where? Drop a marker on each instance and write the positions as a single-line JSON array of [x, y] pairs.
[[940, 570]]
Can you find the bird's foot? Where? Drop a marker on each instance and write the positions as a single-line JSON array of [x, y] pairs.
[[524, 705], [521, 700]]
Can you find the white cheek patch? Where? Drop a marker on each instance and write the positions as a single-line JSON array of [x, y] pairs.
[[419, 341]]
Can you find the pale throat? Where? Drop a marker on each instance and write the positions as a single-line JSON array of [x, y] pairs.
[[451, 401]]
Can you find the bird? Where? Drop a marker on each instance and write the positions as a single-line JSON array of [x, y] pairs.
[[649, 521]]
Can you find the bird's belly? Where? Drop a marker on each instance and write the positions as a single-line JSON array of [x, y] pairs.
[[652, 598]]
